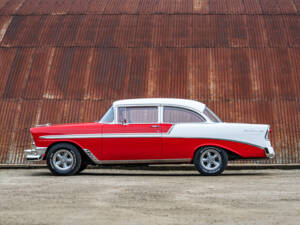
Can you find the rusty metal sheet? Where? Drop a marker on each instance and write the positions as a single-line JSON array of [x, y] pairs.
[[3, 3], [284, 84], [136, 81], [45, 7], [78, 7], [161, 31], [114, 7], [237, 31], [168, 76], [51, 30], [77, 77], [181, 6], [130, 7], [93, 110], [10, 7], [235, 7], [17, 25], [18, 74], [240, 75], [202, 33], [219, 30], [4, 23], [66, 75], [96, 6], [28, 7], [28, 29], [27, 115], [239, 57], [125, 32], [6, 60], [294, 57], [200, 79], [278, 7], [148, 7], [69, 27], [87, 32], [200, 6], [39, 73], [262, 66], [220, 69], [109, 68], [182, 30], [218, 6], [5, 142], [292, 25], [275, 31], [107, 30], [252, 6], [143, 33], [287, 6], [256, 31]]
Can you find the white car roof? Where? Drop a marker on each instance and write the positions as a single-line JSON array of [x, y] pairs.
[[162, 101]]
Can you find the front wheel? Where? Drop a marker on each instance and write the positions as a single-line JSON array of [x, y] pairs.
[[64, 159], [210, 161]]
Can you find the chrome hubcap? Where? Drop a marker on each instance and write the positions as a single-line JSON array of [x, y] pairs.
[[210, 159], [63, 159]]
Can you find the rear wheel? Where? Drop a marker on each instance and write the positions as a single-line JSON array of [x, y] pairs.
[[64, 159], [210, 161]]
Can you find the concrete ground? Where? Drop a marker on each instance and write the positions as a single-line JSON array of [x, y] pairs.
[[152, 195]]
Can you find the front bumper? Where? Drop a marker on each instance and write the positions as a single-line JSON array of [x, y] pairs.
[[35, 154], [270, 153]]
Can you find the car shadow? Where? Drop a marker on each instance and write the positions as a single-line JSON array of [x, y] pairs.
[[155, 173]]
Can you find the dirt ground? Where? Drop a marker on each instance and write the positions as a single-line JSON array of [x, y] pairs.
[[149, 196]]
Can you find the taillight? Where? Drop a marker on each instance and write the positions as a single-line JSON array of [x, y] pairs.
[[270, 130]]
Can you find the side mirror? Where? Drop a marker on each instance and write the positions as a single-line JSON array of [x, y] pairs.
[[124, 122]]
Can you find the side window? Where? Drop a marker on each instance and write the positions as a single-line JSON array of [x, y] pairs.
[[180, 115], [108, 116], [138, 114]]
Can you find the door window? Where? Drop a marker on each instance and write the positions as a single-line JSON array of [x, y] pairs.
[[147, 114], [181, 115]]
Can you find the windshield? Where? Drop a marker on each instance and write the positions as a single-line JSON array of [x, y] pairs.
[[211, 115], [108, 116]]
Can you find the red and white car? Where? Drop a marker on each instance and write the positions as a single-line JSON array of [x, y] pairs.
[[148, 131]]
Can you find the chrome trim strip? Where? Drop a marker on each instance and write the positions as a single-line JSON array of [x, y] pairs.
[[101, 162], [92, 156], [136, 135], [71, 136], [146, 161], [43, 125], [131, 135], [108, 135]]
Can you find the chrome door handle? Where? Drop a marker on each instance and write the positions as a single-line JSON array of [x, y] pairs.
[[155, 126]]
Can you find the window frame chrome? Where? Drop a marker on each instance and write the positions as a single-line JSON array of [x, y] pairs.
[[186, 108], [138, 105]]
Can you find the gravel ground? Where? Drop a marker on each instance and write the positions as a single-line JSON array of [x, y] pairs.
[[149, 196]]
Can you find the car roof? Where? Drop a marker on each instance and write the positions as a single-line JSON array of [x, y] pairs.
[[162, 101]]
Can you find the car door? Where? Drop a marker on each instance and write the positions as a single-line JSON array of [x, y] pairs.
[[135, 136], [175, 146]]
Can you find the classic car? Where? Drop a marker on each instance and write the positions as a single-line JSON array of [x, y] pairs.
[[149, 131]]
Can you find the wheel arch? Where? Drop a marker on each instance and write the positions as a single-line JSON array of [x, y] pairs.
[[76, 145], [230, 152]]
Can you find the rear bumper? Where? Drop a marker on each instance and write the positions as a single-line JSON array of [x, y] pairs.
[[270, 153], [35, 154]]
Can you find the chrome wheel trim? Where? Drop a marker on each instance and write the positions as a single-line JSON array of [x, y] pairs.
[[63, 159], [210, 159]]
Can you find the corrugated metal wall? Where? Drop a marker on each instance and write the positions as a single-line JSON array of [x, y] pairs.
[[66, 61]]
